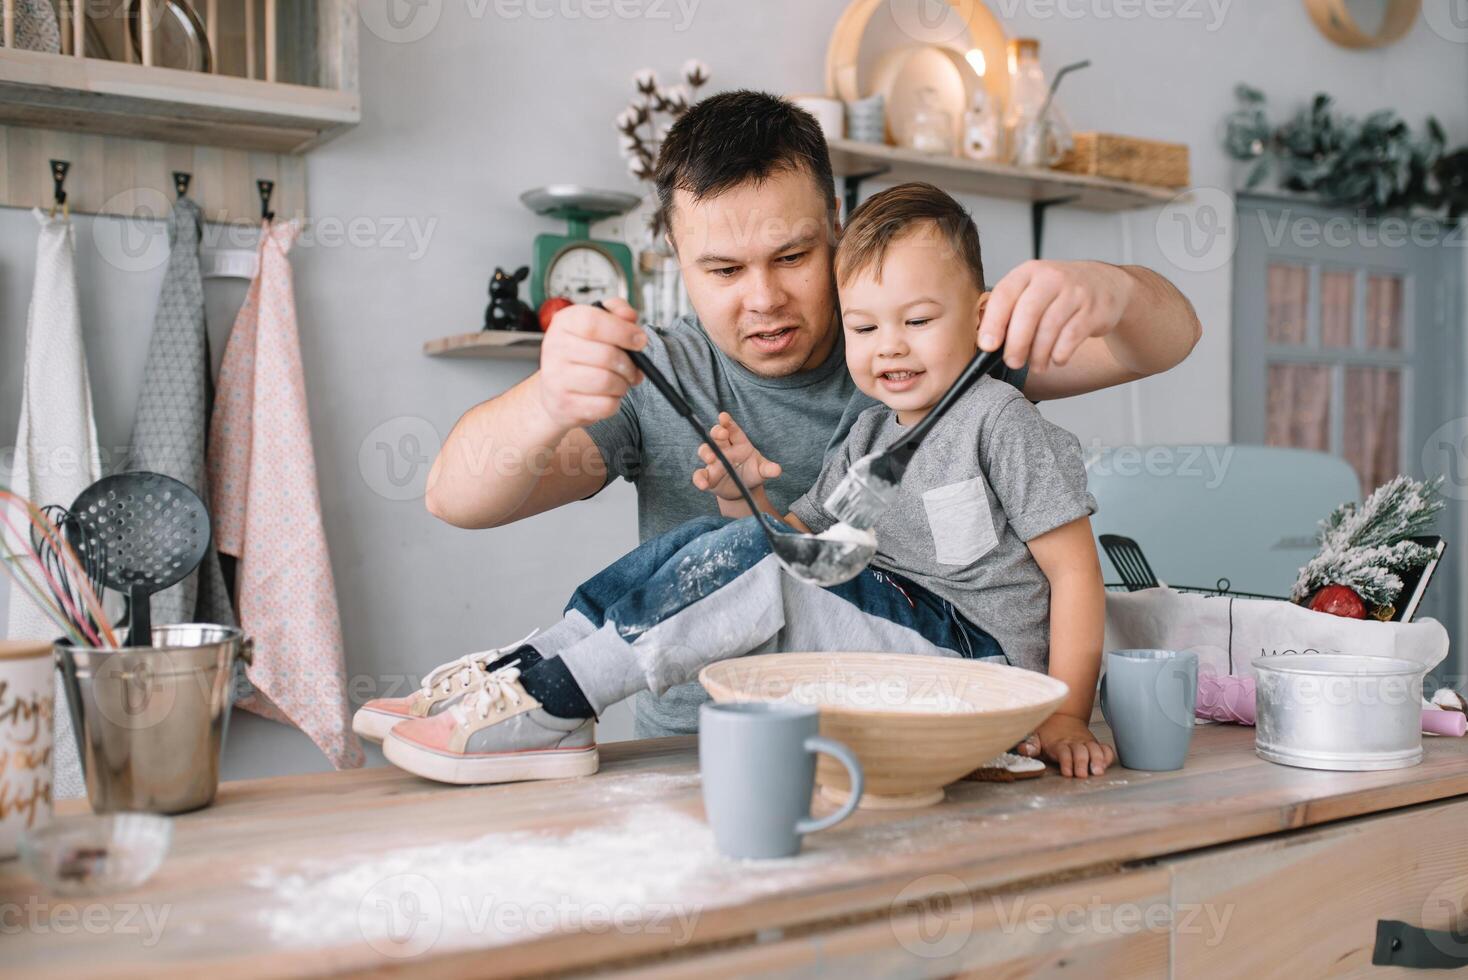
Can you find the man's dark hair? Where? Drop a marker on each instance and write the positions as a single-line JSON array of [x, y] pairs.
[[734, 137]]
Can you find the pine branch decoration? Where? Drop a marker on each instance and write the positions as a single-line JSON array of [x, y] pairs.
[[1366, 548]]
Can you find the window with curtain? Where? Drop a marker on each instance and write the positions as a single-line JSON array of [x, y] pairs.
[[1337, 362]]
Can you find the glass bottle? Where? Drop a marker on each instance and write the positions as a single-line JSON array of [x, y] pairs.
[[932, 125], [983, 130], [1027, 92]]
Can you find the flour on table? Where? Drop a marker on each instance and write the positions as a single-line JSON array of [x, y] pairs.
[[654, 870], [497, 886]]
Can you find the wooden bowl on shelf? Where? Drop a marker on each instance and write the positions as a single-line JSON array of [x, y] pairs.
[[917, 723]]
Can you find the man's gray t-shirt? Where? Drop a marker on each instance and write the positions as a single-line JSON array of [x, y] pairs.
[[794, 420], [991, 475]]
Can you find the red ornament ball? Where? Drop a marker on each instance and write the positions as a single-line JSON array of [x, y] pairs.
[[1339, 600], [550, 308]]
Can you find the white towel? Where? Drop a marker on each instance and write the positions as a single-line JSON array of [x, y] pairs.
[[56, 451]]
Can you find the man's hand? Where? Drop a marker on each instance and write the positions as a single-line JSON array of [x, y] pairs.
[[584, 367], [753, 468], [1068, 742], [1041, 312]]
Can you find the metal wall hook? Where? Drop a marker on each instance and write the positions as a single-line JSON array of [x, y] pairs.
[[181, 182], [59, 169], [266, 187]]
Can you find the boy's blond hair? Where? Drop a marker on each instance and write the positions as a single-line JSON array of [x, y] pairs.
[[915, 207]]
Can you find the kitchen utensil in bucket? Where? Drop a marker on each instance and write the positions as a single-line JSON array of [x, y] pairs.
[[1337, 711], [89, 550], [155, 531], [150, 723], [61, 572], [43, 564]]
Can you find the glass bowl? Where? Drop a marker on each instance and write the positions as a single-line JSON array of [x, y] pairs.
[[89, 854]]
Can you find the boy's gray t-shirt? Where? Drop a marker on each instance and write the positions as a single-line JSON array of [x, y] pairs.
[[795, 421], [991, 475]]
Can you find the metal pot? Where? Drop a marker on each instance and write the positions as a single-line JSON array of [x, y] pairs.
[[1337, 711], [150, 723]]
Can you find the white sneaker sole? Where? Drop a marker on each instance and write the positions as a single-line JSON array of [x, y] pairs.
[[373, 725], [507, 767]]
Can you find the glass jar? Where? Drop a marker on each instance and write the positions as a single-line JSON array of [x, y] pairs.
[[1032, 141], [983, 129], [932, 125]]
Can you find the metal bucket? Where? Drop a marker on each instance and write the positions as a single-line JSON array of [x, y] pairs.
[[150, 723], [1337, 711]]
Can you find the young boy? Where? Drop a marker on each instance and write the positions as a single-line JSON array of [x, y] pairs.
[[986, 552]]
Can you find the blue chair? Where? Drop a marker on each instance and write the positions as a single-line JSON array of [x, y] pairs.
[[1248, 514]]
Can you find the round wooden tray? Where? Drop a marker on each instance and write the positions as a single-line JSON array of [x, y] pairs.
[[843, 54]]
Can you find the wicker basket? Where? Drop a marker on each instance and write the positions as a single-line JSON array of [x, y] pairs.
[[1128, 158]]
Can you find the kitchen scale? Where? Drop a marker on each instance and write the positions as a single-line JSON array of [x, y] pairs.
[[575, 265]]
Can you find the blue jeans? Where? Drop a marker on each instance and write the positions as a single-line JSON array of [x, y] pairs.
[[711, 589]]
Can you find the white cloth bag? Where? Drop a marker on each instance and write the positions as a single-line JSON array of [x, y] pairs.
[[56, 451], [1228, 633]]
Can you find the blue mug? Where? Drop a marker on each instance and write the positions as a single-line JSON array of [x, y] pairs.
[[1148, 698], [758, 764]]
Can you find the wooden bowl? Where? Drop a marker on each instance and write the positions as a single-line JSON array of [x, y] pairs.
[[916, 723]]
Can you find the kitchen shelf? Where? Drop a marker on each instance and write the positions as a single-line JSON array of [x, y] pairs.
[[91, 95], [853, 159], [506, 345], [857, 161]]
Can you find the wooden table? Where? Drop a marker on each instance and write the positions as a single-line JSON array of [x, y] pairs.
[[1232, 866]]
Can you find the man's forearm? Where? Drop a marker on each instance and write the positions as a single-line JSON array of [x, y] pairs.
[[491, 461], [1157, 329], [1084, 326]]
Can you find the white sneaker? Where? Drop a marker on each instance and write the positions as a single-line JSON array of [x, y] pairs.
[[445, 685], [499, 734]]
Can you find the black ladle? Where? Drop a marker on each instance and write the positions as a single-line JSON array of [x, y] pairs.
[[155, 531], [817, 560]]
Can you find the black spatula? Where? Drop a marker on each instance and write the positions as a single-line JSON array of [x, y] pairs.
[[155, 531]]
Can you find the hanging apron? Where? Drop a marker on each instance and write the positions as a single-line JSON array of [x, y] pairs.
[[56, 451], [267, 513], [173, 412]]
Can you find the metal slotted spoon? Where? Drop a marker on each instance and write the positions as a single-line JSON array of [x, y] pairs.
[[819, 561], [155, 531]]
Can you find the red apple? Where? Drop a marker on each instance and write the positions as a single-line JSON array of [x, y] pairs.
[[1339, 600], [550, 308]]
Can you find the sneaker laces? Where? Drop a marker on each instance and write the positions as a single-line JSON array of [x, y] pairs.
[[466, 669], [499, 687]]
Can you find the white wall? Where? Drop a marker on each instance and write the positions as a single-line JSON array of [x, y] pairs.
[[456, 124]]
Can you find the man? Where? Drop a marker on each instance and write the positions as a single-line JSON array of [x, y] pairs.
[[745, 185]]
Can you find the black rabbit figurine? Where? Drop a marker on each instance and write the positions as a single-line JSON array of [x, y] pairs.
[[506, 311]]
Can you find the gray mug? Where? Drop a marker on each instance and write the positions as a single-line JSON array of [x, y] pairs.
[[759, 768], [1148, 698]]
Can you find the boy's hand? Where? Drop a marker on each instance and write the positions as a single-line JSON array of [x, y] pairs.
[[1068, 742], [753, 468]]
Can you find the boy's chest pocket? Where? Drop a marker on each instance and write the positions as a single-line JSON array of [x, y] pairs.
[[958, 516]]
